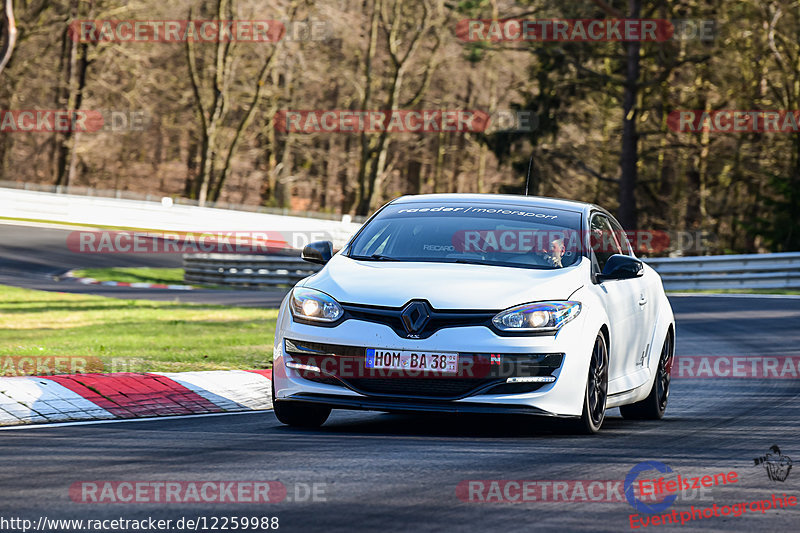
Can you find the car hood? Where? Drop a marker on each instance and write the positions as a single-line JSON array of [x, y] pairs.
[[443, 285]]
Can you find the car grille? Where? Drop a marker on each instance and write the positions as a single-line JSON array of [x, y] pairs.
[[343, 366], [392, 317], [420, 387]]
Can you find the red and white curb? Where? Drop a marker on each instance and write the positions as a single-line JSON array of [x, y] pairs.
[[135, 285], [80, 397]]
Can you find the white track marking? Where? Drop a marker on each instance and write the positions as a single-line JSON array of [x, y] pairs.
[[35, 400], [123, 420], [229, 389]]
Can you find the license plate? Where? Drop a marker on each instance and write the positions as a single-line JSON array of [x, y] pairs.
[[412, 360]]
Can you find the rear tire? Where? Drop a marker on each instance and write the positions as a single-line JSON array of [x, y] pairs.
[[299, 414], [654, 406], [596, 392]]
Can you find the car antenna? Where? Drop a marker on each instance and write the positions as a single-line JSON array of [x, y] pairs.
[[528, 179]]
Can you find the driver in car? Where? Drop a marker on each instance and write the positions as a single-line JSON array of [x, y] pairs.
[[555, 254]]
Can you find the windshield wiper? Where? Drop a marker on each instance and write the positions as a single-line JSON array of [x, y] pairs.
[[373, 257], [465, 261]]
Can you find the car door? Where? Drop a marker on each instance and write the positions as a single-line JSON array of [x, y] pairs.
[[622, 302], [648, 299]]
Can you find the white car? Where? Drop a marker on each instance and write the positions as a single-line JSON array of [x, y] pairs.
[[478, 304]]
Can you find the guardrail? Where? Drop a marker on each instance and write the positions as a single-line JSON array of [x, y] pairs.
[[756, 271], [752, 271], [118, 194], [250, 271], [168, 216]]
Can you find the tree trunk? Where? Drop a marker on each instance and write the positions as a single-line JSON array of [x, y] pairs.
[[83, 66], [366, 148], [66, 163], [627, 212], [8, 34], [191, 168]]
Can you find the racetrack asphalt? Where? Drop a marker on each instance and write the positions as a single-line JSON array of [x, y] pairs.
[[33, 257], [382, 472]]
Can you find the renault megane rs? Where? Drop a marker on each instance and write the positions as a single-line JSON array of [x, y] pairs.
[[477, 304]]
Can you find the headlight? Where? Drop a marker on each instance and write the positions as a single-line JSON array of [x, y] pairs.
[[311, 304], [537, 317]]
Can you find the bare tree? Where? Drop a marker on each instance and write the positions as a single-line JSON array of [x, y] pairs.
[[77, 64], [8, 32], [213, 113], [404, 30]]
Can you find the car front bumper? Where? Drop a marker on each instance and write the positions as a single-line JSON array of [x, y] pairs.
[[341, 383]]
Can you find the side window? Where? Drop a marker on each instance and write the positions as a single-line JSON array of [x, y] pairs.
[[622, 238], [603, 242]]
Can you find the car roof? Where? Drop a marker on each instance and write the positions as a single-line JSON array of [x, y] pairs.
[[500, 199]]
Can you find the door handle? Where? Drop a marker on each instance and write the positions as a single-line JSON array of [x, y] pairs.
[[642, 300]]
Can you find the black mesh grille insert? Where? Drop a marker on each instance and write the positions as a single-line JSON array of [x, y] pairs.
[[313, 376], [515, 388], [418, 387]]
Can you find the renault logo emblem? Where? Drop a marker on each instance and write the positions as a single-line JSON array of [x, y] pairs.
[[415, 317]]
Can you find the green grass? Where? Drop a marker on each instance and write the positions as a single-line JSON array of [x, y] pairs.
[[134, 335], [133, 275]]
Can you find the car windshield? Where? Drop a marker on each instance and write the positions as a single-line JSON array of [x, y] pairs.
[[490, 234]]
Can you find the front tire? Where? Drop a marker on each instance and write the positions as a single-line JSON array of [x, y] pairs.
[[596, 392], [654, 406], [299, 414]]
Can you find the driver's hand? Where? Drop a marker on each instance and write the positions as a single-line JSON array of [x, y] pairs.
[[551, 259]]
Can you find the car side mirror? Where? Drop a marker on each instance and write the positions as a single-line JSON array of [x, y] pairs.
[[319, 252], [621, 266]]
